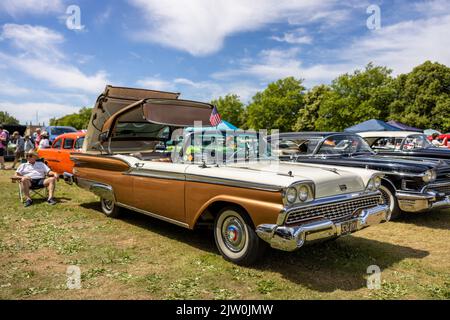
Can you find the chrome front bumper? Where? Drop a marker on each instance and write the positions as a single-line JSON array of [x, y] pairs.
[[290, 238], [418, 202]]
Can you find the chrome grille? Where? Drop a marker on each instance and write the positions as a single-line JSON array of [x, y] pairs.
[[333, 211]]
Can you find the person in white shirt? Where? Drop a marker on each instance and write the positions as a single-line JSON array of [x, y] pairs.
[[44, 143], [36, 174]]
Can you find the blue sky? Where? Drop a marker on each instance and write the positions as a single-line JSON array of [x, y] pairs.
[[201, 48]]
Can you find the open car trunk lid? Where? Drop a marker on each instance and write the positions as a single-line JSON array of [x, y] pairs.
[[112, 100]]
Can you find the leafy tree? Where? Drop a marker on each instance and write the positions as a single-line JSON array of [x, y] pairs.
[[78, 120], [277, 106], [307, 116], [357, 97], [6, 118], [231, 109], [423, 97]]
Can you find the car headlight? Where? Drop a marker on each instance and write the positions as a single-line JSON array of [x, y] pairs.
[[377, 182], [291, 195], [374, 183], [303, 193], [429, 176]]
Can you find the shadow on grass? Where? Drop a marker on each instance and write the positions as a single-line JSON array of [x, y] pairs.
[[324, 267], [435, 219]]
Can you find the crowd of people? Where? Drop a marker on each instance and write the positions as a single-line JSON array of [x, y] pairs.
[[32, 173], [21, 145]]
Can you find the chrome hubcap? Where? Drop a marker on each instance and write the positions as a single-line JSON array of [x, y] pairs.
[[108, 204], [233, 234]]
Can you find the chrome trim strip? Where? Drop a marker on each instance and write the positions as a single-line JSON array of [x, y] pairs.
[[154, 215], [156, 174], [202, 179], [233, 183], [435, 185]]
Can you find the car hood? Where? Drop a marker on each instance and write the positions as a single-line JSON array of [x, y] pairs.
[[386, 164], [328, 181]]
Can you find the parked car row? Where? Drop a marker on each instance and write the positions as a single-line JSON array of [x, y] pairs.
[[312, 187]]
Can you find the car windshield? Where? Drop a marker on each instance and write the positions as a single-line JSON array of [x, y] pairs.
[[344, 144], [59, 131], [222, 147], [416, 142], [294, 146]]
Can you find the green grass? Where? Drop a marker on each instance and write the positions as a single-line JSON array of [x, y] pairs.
[[138, 257]]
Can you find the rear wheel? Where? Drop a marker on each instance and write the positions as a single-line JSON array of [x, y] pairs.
[[388, 195], [235, 238], [109, 208]]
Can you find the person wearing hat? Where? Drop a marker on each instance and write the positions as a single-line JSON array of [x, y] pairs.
[[36, 174], [19, 152], [44, 143]]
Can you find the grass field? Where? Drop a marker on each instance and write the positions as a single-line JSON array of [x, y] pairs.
[[138, 257]]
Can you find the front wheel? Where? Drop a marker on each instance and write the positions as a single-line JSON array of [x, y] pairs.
[[389, 199], [109, 208], [235, 238]]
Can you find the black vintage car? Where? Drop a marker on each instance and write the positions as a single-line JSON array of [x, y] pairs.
[[409, 185], [404, 144]]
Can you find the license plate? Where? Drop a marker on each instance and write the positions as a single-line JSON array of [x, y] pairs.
[[348, 227]]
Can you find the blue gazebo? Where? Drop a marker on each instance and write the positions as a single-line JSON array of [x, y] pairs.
[[372, 125]]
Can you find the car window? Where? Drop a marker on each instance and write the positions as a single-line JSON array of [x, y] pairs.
[[387, 143], [79, 143], [416, 142], [57, 144], [344, 144], [68, 144]]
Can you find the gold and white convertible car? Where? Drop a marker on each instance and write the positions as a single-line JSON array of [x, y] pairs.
[[131, 160]]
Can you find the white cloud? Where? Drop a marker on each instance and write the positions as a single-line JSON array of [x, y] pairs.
[[26, 112], [40, 57], [404, 45], [275, 64], [16, 7], [201, 26], [294, 37], [9, 88], [155, 83], [36, 40]]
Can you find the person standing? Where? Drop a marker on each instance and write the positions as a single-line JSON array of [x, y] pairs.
[[44, 142], [19, 152], [37, 138], [29, 145], [3, 146]]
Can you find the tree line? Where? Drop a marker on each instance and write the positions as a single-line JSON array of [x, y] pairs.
[[420, 99]]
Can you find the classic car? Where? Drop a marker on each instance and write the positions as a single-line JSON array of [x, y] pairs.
[[408, 185], [55, 131], [405, 144], [58, 156], [248, 203]]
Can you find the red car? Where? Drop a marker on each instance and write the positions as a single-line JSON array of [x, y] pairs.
[[58, 156]]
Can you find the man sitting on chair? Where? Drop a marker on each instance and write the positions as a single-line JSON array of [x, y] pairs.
[[34, 174]]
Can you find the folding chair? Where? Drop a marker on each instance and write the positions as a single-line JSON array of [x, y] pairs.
[[34, 192]]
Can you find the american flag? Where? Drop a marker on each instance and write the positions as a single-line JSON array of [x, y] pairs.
[[215, 118]]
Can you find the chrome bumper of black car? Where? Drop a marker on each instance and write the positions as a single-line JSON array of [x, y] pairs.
[[419, 202]]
